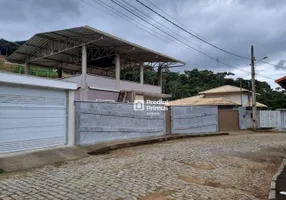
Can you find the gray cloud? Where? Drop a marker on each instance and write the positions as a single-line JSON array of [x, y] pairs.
[[16, 11], [232, 25], [281, 64]]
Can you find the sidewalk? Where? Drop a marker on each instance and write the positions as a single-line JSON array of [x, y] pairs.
[[26, 160]]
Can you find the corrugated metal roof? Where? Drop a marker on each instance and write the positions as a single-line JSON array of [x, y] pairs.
[[224, 89], [31, 47]]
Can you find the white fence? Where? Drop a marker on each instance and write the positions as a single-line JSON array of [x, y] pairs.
[[265, 119], [283, 119], [194, 119], [270, 118]]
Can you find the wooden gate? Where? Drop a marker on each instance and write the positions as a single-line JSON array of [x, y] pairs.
[[168, 121], [228, 120]]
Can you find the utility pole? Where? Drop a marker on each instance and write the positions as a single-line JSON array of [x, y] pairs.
[[241, 101], [254, 109]]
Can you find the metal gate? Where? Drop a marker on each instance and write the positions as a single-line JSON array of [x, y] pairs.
[[31, 118], [228, 120]]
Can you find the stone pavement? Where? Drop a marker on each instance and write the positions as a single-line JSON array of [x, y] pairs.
[[222, 167]]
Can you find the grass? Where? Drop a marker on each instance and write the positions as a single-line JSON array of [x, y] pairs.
[[34, 70], [37, 71]]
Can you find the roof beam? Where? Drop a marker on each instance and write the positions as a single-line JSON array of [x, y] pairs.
[[59, 46]]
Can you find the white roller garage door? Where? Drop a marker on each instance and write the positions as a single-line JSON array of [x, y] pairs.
[[31, 118]]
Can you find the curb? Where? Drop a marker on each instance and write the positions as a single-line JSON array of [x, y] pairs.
[[272, 193], [111, 147]]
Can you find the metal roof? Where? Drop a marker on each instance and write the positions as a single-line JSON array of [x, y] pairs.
[[53, 48], [281, 81], [200, 100], [224, 89], [203, 101]]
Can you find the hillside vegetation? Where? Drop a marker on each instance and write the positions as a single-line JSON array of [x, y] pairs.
[[191, 82], [8, 47]]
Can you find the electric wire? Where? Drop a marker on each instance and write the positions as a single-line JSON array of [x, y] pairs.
[[120, 14], [192, 34]]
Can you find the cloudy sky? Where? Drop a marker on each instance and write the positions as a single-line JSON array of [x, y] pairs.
[[233, 25]]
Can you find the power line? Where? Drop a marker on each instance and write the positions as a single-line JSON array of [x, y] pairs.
[[172, 17], [198, 34], [115, 13], [272, 64], [158, 28], [190, 33], [203, 53], [120, 14], [155, 22]]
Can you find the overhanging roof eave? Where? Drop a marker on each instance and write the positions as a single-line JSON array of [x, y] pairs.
[[40, 39]]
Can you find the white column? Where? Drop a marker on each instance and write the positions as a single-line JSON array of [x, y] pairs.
[[71, 119], [141, 74], [83, 90], [117, 71], [83, 67], [27, 67]]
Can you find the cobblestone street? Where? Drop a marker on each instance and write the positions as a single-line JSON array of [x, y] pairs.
[[223, 167]]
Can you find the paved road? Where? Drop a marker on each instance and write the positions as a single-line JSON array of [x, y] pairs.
[[223, 167]]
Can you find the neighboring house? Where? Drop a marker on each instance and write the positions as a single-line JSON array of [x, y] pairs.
[[282, 82], [227, 98], [96, 58], [224, 97]]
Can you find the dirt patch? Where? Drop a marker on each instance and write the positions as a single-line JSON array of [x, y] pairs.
[[200, 181], [192, 179], [157, 196], [121, 153], [272, 155], [199, 165]]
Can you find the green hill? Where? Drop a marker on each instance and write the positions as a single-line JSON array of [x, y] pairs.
[[8, 47]]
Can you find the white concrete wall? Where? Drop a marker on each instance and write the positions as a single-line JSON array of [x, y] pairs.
[[104, 121], [270, 118], [194, 119], [110, 83]]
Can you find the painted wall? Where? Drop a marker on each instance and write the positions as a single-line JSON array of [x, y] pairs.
[[110, 83], [194, 119], [100, 122], [96, 95], [245, 118]]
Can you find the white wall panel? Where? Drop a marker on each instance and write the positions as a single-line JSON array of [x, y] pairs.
[[31, 117]]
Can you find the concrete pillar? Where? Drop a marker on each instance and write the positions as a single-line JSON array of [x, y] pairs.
[[71, 119], [27, 67], [141, 74], [117, 71], [84, 67], [60, 72], [83, 84]]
